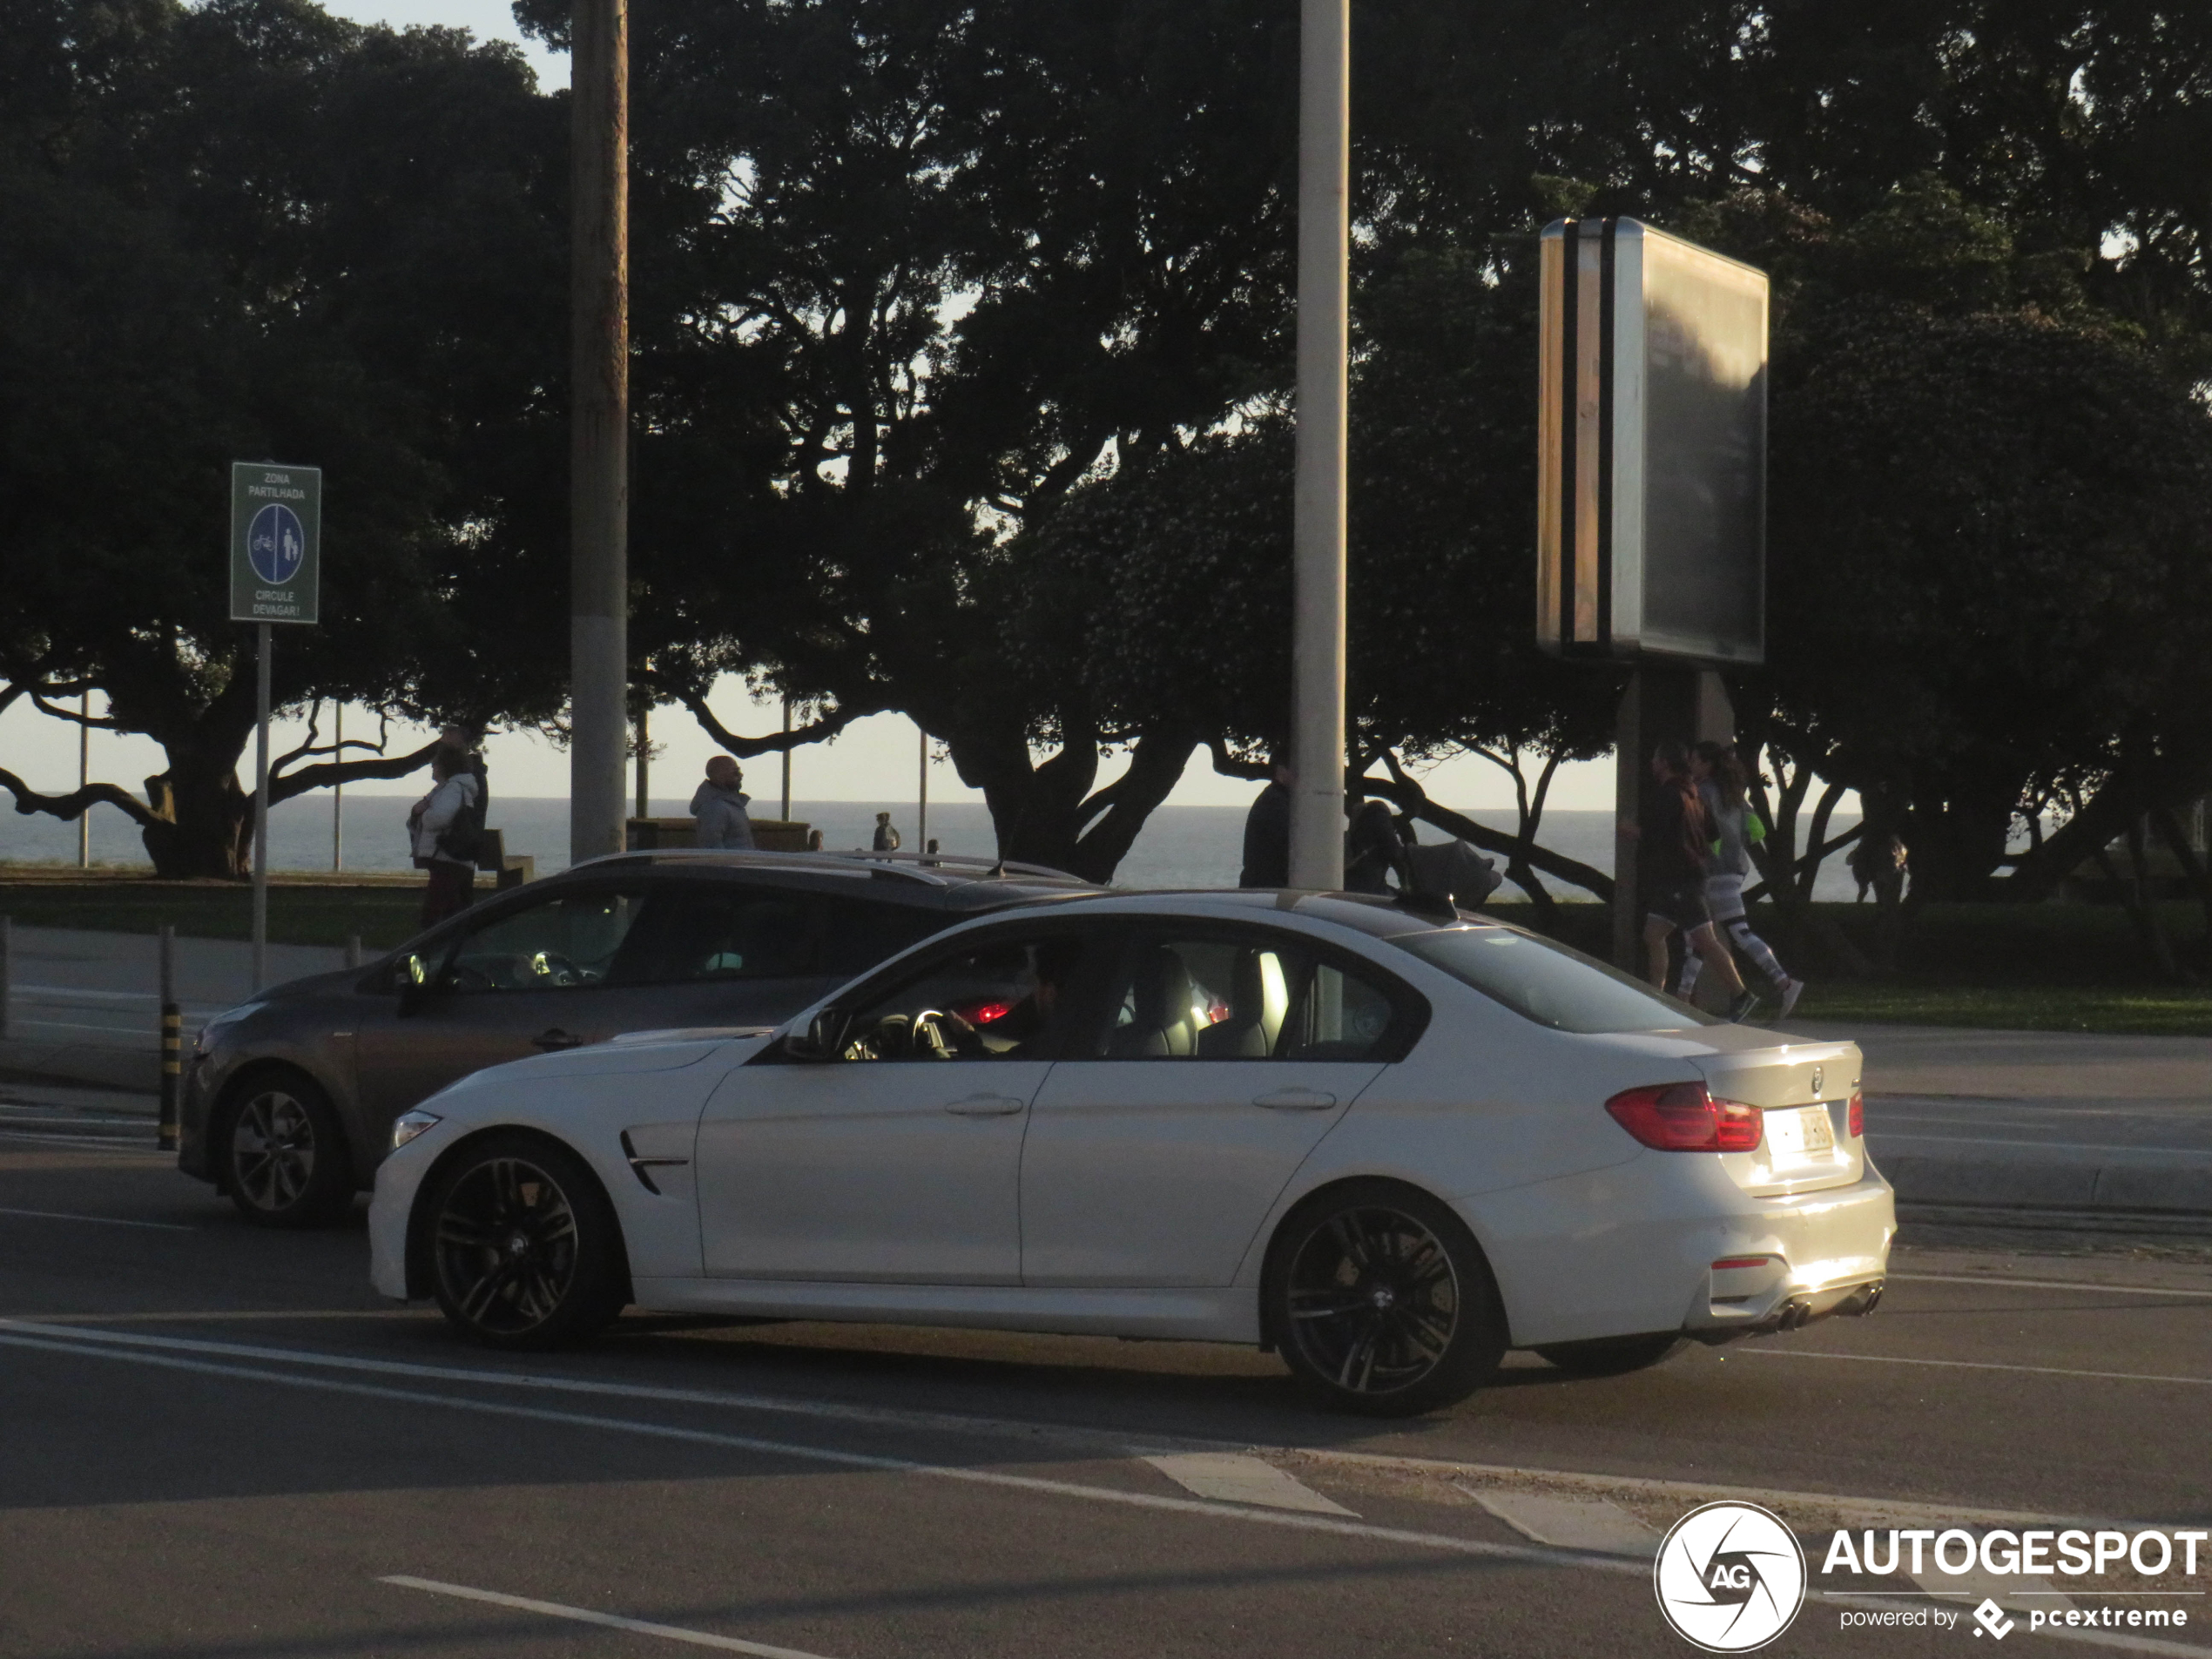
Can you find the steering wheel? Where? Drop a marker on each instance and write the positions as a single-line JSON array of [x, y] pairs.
[[930, 1040], [558, 969]]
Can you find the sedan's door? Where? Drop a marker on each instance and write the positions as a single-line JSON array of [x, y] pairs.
[[900, 1160], [529, 978], [1224, 1057]]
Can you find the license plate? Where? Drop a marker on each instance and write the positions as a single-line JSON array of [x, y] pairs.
[[1805, 1133]]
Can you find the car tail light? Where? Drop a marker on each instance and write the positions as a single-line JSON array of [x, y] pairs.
[[1684, 1118], [1858, 1114]]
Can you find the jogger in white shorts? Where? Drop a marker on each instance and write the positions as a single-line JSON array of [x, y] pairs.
[[1721, 785]]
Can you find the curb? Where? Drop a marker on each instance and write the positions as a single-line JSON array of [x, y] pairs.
[[2090, 1197]]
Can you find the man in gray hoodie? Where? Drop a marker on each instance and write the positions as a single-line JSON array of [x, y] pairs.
[[719, 805]]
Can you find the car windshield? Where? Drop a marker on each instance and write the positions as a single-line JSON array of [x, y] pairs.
[[1544, 981]]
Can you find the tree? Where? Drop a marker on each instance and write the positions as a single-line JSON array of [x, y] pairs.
[[252, 230]]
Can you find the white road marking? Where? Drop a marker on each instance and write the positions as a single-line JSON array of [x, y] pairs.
[[2037, 1284], [1234, 1478], [1532, 1554], [585, 1615], [1975, 1364], [1120, 1443], [101, 1221], [1537, 1556], [1573, 1523]]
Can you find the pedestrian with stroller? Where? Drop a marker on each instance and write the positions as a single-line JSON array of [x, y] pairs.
[[1723, 790]]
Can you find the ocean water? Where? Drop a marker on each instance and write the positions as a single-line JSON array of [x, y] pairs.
[[1179, 846]]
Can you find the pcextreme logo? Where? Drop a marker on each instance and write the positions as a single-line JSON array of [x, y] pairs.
[[1729, 1577]]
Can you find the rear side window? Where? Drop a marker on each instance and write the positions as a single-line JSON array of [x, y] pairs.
[[1546, 982], [1243, 997], [857, 934], [698, 932]]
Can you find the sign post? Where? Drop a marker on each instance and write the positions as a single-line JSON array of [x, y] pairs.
[[276, 577], [1651, 495]]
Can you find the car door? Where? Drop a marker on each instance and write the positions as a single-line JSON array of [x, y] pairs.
[[527, 979], [1223, 1057], [898, 1160]]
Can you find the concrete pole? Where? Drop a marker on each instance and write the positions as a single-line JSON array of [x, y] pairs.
[[262, 807], [599, 433], [1317, 697], [85, 776]]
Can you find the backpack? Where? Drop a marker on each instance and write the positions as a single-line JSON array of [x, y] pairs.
[[462, 839]]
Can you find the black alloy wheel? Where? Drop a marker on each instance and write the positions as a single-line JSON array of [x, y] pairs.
[[1614, 1356], [284, 1155], [1381, 1303], [525, 1250]]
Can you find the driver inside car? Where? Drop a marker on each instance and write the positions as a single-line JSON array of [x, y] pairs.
[[995, 1004]]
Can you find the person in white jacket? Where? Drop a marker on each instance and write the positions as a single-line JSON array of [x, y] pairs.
[[452, 799], [718, 807]]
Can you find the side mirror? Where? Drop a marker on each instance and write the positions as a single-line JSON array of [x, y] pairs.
[[411, 978], [823, 1039]]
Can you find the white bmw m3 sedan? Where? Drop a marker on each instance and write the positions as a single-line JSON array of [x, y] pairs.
[[1388, 1143]]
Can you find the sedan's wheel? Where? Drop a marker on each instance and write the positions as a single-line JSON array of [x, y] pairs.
[[1381, 1303], [525, 1248], [284, 1155], [1614, 1356]]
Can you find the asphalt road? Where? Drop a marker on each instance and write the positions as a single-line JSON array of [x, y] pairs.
[[216, 1441]]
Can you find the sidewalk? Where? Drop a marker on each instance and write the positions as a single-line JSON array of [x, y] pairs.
[[86, 1006], [2080, 1129]]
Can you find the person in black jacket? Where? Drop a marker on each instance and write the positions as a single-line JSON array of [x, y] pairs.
[[1267, 835], [1673, 843]]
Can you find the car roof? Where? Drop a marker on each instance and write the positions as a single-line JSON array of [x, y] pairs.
[[954, 881], [1377, 916]]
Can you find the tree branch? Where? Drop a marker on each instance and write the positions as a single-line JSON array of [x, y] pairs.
[[346, 772], [1227, 765], [74, 805], [1410, 798], [98, 723], [775, 742]]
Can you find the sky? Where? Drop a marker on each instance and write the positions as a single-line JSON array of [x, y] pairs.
[[877, 758]]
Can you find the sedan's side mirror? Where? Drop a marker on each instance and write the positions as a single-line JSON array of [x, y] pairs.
[[411, 978], [823, 1039]]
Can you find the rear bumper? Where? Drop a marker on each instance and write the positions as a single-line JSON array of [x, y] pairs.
[[1669, 1242]]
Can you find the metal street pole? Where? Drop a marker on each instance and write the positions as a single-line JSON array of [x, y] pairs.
[[338, 801], [599, 487], [266, 647], [644, 762], [85, 776], [1324, 277], [786, 819]]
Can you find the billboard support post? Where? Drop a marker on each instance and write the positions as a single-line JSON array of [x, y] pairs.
[[1651, 492]]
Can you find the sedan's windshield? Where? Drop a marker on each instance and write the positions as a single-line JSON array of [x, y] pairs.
[[1547, 982]]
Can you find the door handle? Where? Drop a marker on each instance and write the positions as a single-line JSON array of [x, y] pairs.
[[1296, 1100], [985, 1106], [554, 1038]]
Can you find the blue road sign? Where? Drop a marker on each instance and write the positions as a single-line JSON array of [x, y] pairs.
[[276, 543]]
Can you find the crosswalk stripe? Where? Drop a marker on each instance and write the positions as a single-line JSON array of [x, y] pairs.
[[1229, 1477]]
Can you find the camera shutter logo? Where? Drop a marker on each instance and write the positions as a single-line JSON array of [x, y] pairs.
[[1729, 1577]]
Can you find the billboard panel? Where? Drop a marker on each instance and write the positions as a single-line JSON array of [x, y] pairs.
[[1651, 515]]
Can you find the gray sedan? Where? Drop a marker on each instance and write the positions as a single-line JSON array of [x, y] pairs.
[[289, 1100]]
